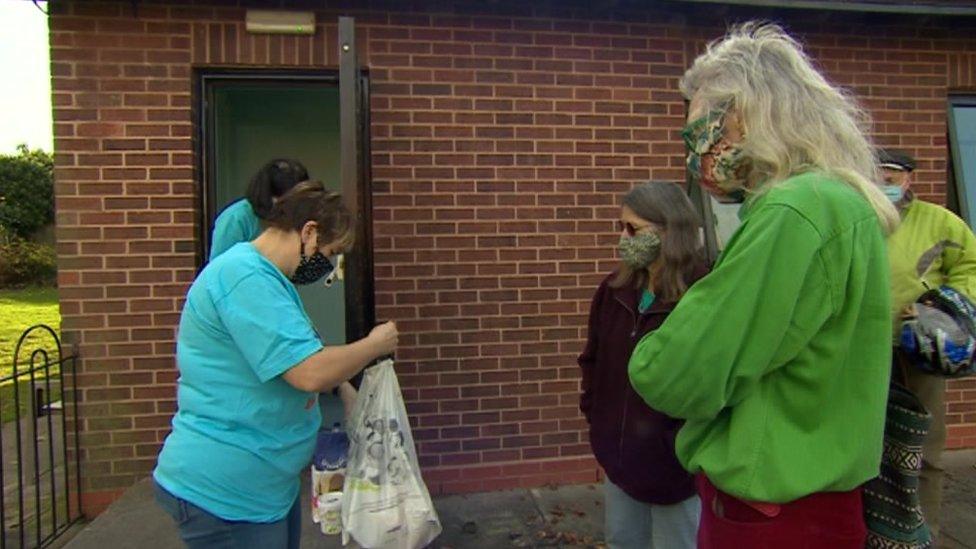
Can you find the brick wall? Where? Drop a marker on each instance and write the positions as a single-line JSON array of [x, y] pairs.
[[501, 142]]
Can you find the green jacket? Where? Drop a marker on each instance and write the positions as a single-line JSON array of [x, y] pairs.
[[926, 227], [779, 359]]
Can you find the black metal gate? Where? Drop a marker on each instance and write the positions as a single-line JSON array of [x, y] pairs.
[[40, 483]]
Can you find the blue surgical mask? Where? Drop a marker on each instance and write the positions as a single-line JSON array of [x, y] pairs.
[[894, 193]]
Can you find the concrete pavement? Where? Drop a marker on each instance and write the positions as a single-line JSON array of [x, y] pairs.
[[565, 516]]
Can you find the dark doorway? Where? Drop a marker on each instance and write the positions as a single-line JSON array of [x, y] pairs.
[[249, 117]]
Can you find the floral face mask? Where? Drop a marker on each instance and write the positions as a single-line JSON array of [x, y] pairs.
[[717, 165]]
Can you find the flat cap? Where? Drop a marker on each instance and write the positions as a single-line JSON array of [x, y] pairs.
[[896, 160]]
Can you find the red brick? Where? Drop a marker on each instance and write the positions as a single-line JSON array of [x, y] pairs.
[[99, 129]]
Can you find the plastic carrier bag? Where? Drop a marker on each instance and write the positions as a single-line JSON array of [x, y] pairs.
[[385, 502]]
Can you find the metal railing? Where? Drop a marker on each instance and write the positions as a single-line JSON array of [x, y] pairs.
[[40, 480]]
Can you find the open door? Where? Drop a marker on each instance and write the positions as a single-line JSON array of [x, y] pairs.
[[354, 181], [248, 117], [255, 121]]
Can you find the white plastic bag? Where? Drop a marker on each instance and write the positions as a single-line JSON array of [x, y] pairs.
[[385, 502]]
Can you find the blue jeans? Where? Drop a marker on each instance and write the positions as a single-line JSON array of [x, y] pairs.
[[200, 529], [632, 524]]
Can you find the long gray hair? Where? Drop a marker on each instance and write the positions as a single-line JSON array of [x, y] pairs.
[[794, 120], [666, 205]]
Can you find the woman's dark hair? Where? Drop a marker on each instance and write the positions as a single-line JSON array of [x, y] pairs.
[[272, 181], [667, 206], [312, 201]]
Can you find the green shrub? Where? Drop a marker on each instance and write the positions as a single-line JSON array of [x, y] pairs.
[[23, 262], [26, 191]]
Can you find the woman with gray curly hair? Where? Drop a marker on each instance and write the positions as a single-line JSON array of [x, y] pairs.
[[778, 361]]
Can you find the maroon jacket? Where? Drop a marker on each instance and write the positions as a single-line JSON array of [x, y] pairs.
[[633, 443]]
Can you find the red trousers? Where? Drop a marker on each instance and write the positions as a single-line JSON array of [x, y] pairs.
[[827, 520]]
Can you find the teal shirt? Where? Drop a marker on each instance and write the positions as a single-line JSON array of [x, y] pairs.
[[242, 434], [780, 358], [237, 223], [647, 299]]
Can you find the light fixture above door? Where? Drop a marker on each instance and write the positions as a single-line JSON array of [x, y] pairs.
[[280, 22]]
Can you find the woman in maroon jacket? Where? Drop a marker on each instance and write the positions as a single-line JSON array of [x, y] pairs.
[[650, 499]]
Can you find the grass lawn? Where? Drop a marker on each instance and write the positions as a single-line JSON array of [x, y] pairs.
[[20, 309]]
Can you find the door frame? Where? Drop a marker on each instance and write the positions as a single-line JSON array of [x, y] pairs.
[[359, 286], [956, 190]]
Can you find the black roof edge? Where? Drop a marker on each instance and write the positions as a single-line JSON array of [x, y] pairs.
[[918, 8]]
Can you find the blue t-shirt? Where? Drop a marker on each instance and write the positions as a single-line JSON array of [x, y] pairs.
[[242, 434], [237, 223]]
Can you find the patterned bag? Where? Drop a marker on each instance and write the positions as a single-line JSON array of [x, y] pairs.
[[891, 507]]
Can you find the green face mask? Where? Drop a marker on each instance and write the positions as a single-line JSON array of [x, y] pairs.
[[640, 250]]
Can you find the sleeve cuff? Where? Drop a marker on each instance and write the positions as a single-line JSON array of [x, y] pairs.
[[286, 361]]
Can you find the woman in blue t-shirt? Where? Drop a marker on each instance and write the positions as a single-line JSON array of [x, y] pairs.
[[251, 367], [241, 220]]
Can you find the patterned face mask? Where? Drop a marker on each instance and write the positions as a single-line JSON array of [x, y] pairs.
[[312, 268], [725, 177], [640, 250]]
